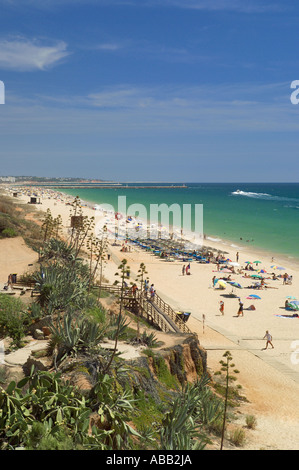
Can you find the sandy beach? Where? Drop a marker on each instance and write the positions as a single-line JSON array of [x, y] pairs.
[[269, 378]]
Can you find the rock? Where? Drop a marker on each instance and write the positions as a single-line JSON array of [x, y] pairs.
[[45, 321], [38, 334], [20, 356], [46, 331], [40, 364]]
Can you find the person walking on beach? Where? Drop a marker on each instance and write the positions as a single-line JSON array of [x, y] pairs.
[[221, 307], [237, 256], [268, 337], [240, 311], [183, 270]]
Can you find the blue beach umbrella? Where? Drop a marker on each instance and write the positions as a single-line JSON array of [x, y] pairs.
[[253, 297], [235, 284]]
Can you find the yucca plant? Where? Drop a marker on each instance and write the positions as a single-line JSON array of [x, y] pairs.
[[73, 334], [149, 339], [124, 273], [182, 426], [59, 287], [117, 327], [57, 250]]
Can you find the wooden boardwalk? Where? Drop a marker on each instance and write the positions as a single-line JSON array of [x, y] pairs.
[[157, 311]]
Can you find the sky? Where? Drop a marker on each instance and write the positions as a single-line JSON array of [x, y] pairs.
[[150, 90]]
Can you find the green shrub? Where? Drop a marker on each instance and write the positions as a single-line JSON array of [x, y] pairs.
[[13, 318], [8, 233], [39, 438], [97, 313], [161, 370]]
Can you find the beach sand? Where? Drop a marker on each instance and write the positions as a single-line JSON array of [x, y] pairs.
[[269, 378]]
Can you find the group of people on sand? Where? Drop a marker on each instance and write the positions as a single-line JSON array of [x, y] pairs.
[[240, 309], [240, 312], [125, 248], [186, 270]]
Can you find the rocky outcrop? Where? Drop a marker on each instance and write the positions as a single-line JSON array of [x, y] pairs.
[[187, 361], [168, 367]]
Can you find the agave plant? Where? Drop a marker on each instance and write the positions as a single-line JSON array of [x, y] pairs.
[[57, 250], [73, 334], [59, 287], [118, 326], [182, 426]]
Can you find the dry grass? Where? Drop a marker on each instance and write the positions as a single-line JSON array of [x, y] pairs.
[[14, 221]]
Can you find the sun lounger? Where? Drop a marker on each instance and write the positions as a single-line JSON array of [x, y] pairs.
[[184, 316]]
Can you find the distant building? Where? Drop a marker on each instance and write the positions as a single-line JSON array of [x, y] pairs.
[[7, 179]]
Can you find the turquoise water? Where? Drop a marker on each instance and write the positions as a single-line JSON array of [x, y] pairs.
[[262, 215]]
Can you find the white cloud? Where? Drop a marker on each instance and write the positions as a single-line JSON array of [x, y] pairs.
[[108, 47], [181, 110], [22, 54]]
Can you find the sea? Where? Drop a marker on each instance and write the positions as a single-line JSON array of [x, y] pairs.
[[261, 216]]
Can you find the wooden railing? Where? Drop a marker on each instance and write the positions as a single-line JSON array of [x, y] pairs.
[[168, 310], [152, 315], [151, 309]]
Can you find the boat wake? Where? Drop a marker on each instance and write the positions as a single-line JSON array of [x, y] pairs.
[[265, 196], [238, 192]]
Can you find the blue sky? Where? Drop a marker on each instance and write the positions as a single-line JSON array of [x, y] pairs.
[[150, 90]]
